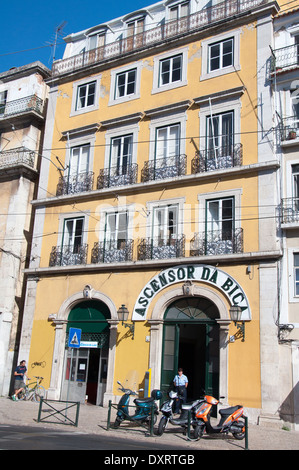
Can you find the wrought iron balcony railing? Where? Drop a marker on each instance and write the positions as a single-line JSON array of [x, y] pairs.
[[289, 128], [166, 30], [17, 156], [162, 168], [285, 57], [155, 248], [113, 251], [22, 105], [117, 176], [290, 210], [68, 255], [74, 184], [217, 242], [218, 158]]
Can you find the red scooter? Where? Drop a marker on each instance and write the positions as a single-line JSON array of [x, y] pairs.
[[232, 419]]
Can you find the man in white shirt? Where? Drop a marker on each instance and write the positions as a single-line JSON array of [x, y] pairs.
[[180, 383]]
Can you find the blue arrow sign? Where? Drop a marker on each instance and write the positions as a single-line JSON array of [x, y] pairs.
[[74, 338]]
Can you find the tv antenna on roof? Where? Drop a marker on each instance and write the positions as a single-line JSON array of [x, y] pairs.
[[58, 31]]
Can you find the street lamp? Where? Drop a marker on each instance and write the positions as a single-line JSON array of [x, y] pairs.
[[123, 314], [235, 314]]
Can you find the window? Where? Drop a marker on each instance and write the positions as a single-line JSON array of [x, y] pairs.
[[3, 98], [86, 95], [220, 217], [73, 235], [78, 178], [134, 33], [296, 274], [220, 134], [116, 230], [165, 224], [179, 11], [295, 187], [121, 153], [96, 40], [170, 70], [221, 55], [125, 83], [79, 161], [168, 142]]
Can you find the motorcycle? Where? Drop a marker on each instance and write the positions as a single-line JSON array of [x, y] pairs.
[[182, 420], [231, 419], [143, 410]]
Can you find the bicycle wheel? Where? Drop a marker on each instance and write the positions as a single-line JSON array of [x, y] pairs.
[[23, 395], [39, 393]]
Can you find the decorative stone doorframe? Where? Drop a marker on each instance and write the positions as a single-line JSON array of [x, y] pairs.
[[60, 320], [156, 330]]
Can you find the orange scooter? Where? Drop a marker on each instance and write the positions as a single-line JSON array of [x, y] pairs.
[[231, 419]]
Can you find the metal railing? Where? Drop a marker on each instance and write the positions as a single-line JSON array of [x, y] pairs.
[[162, 168], [22, 105], [117, 176], [217, 242], [289, 128], [60, 411], [218, 158], [156, 248], [285, 57], [75, 183], [290, 210], [17, 156], [68, 255], [165, 31], [112, 251]]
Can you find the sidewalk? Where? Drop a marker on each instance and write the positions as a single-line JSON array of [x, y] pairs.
[[93, 420]]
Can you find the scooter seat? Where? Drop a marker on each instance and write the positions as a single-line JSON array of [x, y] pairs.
[[140, 401], [187, 406], [229, 411]]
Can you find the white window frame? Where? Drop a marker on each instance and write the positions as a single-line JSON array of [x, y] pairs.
[[157, 87], [120, 132], [166, 121], [152, 206], [293, 298], [80, 142], [76, 86], [178, 6], [87, 89], [205, 46], [113, 99], [105, 211], [69, 216]]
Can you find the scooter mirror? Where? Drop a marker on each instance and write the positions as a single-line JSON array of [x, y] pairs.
[[118, 382], [141, 390]]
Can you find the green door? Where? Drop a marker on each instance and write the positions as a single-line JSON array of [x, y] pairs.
[[191, 341]]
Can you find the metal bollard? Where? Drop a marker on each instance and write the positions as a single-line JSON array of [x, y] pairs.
[[109, 415], [246, 433]]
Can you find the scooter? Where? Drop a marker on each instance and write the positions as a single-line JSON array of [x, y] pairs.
[[143, 410], [231, 419], [182, 420]]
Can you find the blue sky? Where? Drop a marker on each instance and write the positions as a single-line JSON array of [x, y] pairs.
[[29, 26]]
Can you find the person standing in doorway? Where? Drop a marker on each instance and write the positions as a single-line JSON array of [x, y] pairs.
[[180, 383], [19, 373]]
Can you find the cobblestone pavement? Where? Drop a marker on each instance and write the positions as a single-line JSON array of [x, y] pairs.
[[93, 419]]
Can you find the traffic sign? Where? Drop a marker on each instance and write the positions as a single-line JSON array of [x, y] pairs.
[[74, 338]]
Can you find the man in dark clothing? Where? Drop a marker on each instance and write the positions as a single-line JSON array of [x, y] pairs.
[[19, 373]]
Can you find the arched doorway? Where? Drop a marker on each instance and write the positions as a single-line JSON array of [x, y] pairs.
[[85, 368], [191, 341]]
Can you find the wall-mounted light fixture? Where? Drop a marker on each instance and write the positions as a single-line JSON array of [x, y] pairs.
[[235, 314], [123, 314]]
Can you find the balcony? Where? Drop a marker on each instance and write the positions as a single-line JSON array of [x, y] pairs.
[[156, 248], [218, 158], [158, 35], [114, 251], [289, 128], [285, 58], [68, 255], [290, 210], [73, 184], [21, 106], [16, 157], [117, 176], [162, 168], [217, 242]]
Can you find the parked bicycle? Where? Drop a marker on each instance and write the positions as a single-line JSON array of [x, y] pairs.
[[33, 391]]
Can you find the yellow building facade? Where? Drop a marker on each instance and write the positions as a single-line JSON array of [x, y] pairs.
[[157, 197]]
